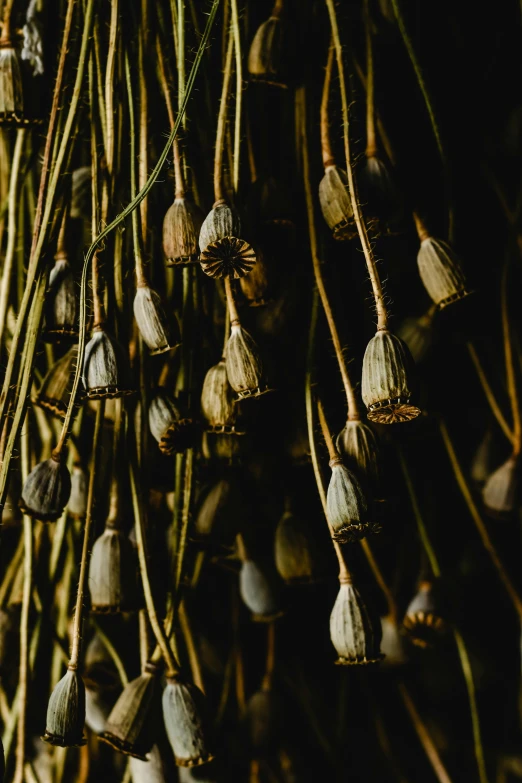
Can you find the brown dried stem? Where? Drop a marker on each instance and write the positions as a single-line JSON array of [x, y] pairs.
[[326, 145], [371, 140], [510, 364], [270, 658], [327, 435], [488, 391], [219, 193], [232, 307]]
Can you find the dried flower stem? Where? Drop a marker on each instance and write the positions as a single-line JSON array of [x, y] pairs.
[[232, 307], [382, 315], [327, 435], [424, 735], [185, 519], [371, 140], [6, 19], [78, 612], [219, 192], [511, 590], [326, 145], [510, 364], [141, 279], [109, 84], [379, 578], [351, 399], [11, 571], [179, 184], [143, 166], [111, 649], [239, 94], [188, 636], [493, 404], [99, 316], [268, 677]]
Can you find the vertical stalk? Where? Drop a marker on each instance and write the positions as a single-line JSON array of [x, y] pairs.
[[219, 192], [510, 364], [138, 258], [239, 93], [143, 47], [371, 139], [326, 145], [12, 228]]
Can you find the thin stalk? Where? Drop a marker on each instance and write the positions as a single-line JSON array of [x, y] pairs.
[[219, 193], [99, 315], [239, 94], [185, 518], [424, 735], [143, 46], [172, 666], [99, 86], [113, 652], [12, 228], [270, 657], [326, 144], [351, 399], [371, 139], [188, 636], [180, 52], [510, 364], [382, 315], [327, 435], [179, 184], [11, 571], [82, 580], [231, 302], [109, 84], [393, 611], [408, 44], [461, 647], [138, 257], [23, 677], [488, 391], [514, 595]]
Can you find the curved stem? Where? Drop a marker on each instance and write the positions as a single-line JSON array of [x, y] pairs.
[[185, 518], [222, 123], [351, 399], [111, 649], [232, 307], [6, 19], [382, 315], [138, 257], [78, 612], [391, 603], [186, 630], [326, 145], [327, 435], [11, 571], [239, 94], [270, 657], [511, 590], [493, 404], [12, 228], [371, 140], [510, 364]]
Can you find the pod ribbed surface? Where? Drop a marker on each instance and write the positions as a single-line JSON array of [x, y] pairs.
[[354, 631]]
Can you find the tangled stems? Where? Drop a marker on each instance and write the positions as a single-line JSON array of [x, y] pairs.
[[351, 399], [461, 646], [382, 315]]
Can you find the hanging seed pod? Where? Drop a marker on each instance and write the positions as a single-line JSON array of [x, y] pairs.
[[441, 272], [335, 203], [423, 621], [359, 449], [294, 551], [152, 321], [105, 367], [153, 770], [131, 726], [222, 221], [183, 708], [354, 630], [55, 392], [46, 489], [386, 386], [243, 363], [392, 644], [66, 712], [11, 91], [257, 592], [218, 403], [266, 58], [220, 511], [263, 723], [61, 313], [77, 503], [181, 228], [378, 190], [500, 492], [227, 257], [418, 334], [112, 573], [346, 506], [255, 285], [174, 432]]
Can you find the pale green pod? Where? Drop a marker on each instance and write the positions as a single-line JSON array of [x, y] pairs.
[[222, 221], [257, 592], [355, 631], [105, 367], [173, 431], [46, 489], [346, 505], [11, 94], [55, 392], [132, 723], [244, 364], [112, 573], [386, 384], [265, 57], [66, 712], [441, 272], [157, 334], [183, 707], [335, 203], [218, 403], [294, 549], [181, 228], [61, 311], [500, 492], [358, 446], [423, 620]]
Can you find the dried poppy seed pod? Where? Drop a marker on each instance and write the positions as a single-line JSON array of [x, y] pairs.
[[262, 718], [294, 551], [105, 367], [257, 592], [173, 431], [358, 447], [422, 620], [61, 314], [77, 503], [266, 55], [418, 334], [131, 726], [150, 317], [346, 505], [46, 489], [228, 257], [355, 632], [11, 91], [55, 392], [112, 573], [220, 511], [243, 363], [386, 386], [392, 643], [183, 707], [222, 221], [66, 712], [218, 403], [441, 272], [335, 203], [181, 228], [500, 492], [255, 285]]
